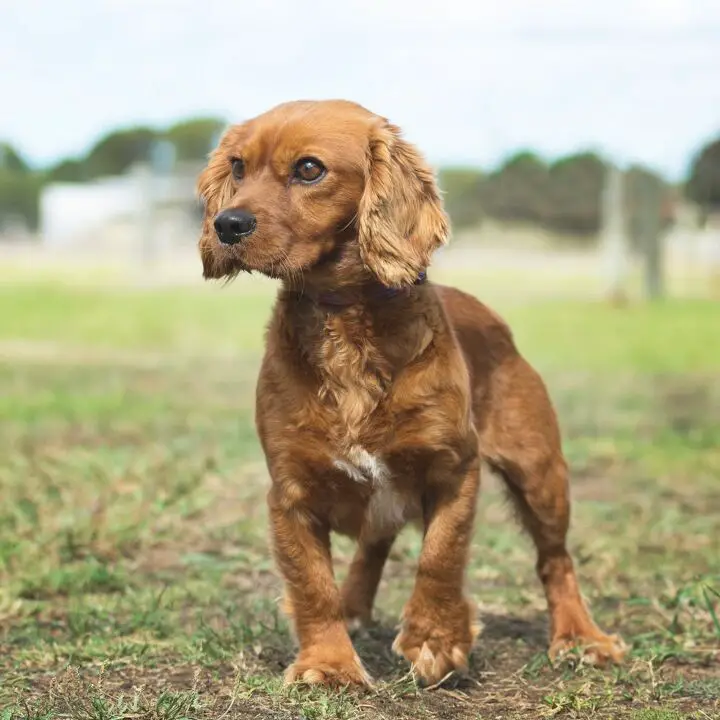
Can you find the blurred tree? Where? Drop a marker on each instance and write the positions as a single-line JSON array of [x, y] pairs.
[[10, 159], [518, 189], [117, 152], [193, 139], [575, 194], [19, 190], [463, 195], [70, 170], [19, 198], [703, 184]]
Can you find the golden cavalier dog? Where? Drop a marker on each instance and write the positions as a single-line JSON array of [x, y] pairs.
[[380, 393]]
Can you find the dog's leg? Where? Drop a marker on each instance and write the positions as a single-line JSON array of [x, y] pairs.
[[523, 443], [540, 495], [360, 586], [438, 629], [302, 551]]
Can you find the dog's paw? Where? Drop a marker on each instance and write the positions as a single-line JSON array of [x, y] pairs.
[[325, 666], [436, 643], [595, 649], [434, 659]]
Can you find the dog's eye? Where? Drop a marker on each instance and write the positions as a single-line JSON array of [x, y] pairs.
[[238, 168], [309, 170]]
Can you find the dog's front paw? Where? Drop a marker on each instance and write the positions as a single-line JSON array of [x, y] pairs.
[[327, 666], [595, 648], [436, 640]]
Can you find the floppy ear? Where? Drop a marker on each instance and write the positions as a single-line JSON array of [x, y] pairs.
[[214, 187], [401, 220]]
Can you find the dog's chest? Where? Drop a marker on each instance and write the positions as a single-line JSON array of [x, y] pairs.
[[363, 467], [388, 509]]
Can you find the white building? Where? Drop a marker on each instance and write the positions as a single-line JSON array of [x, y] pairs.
[[139, 210]]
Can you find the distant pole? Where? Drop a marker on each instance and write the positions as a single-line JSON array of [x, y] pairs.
[[161, 164], [146, 212], [712, 228], [3, 159], [650, 200], [613, 235], [162, 157]]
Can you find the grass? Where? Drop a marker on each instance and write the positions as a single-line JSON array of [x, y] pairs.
[[135, 578]]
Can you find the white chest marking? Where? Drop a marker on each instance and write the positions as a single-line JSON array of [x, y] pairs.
[[386, 511], [363, 467]]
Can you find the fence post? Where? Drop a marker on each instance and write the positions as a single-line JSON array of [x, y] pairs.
[[161, 162], [146, 214], [613, 236], [651, 240]]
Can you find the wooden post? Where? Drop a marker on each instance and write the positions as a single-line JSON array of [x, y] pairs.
[[712, 228], [651, 240], [145, 185], [613, 237], [149, 177]]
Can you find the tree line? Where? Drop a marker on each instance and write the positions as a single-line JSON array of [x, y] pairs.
[[564, 195], [21, 184]]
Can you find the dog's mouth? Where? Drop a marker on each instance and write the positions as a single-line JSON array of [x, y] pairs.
[[282, 261], [244, 259]]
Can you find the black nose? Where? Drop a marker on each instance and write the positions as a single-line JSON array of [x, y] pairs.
[[232, 226]]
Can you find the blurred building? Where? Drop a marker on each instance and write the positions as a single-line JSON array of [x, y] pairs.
[[143, 210]]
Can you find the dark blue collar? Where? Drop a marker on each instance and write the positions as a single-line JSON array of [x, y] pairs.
[[338, 300]]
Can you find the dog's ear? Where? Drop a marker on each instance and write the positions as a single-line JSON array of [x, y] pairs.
[[214, 186], [401, 219]]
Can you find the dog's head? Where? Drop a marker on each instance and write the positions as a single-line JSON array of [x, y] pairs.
[[323, 190]]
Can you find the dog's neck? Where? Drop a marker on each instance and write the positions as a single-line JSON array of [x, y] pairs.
[[386, 328], [336, 300], [355, 343]]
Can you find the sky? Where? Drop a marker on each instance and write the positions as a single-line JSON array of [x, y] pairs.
[[469, 81]]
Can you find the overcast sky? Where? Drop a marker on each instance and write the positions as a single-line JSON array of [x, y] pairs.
[[468, 80]]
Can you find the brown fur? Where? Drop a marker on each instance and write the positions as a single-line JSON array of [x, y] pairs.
[[378, 412]]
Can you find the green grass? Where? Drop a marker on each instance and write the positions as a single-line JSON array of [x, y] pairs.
[[135, 576], [677, 337]]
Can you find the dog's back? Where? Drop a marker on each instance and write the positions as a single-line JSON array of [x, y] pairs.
[[485, 338]]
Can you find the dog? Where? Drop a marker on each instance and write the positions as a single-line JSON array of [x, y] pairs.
[[380, 393]]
